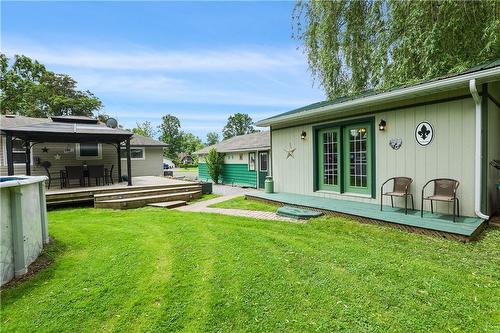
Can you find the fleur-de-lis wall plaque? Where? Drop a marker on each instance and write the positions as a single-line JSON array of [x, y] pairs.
[[424, 133]]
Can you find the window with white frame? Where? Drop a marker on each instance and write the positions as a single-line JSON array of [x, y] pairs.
[[88, 151], [18, 152], [136, 153]]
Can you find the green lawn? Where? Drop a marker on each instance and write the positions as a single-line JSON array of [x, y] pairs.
[[242, 203], [190, 169], [205, 197], [156, 270]]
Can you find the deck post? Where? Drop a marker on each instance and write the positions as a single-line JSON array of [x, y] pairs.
[[10, 158], [28, 158], [119, 152], [129, 163]]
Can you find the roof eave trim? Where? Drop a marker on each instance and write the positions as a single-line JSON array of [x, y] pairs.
[[448, 84]]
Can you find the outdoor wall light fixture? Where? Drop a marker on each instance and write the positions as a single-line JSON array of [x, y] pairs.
[[303, 135], [381, 125]]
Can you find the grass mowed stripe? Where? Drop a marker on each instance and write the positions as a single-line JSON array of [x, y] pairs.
[[152, 269]]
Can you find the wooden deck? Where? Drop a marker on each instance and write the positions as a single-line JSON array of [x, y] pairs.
[[465, 228], [143, 186]]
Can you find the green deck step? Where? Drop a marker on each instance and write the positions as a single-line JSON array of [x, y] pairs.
[[297, 213]]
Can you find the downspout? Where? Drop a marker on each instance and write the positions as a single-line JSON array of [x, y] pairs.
[[477, 158]]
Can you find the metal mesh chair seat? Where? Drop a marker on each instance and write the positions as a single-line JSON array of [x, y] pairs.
[[395, 194], [439, 198], [400, 188], [445, 189]]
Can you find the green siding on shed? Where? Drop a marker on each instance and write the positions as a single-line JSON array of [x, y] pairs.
[[237, 174], [203, 172]]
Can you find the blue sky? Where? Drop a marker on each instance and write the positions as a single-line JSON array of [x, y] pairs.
[[200, 61]]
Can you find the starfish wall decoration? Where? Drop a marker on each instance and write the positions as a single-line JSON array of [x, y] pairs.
[[289, 152]]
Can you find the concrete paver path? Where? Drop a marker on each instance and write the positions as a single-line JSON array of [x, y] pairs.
[[202, 207]]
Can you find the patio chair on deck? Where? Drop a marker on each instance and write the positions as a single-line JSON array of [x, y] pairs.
[[400, 188], [74, 172], [96, 172], [445, 189], [46, 166], [108, 174]]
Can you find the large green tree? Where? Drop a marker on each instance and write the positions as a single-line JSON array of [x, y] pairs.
[[28, 88], [238, 124], [170, 133], [356, 45], [190, 143], [212, 138], [145, 129]]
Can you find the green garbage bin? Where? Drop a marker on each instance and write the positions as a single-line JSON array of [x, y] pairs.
[[269, 185]]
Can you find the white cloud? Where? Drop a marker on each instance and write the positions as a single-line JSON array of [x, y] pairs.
[[140, 58], [138, 84], [163, 88]]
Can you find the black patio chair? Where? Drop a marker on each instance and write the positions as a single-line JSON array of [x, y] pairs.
[[74, 173], [108, 175], [46, 165], [96, 172], [400, 188], [445, 189]]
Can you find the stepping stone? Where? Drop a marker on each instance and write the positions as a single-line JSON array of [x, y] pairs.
[[297, 213], [168, 204]]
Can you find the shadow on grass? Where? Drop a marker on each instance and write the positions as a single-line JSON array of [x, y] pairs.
[[42, 265]]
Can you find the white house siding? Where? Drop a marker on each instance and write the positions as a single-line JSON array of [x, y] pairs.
[[109, 157], [152, 165], [231, 158], [449, 155]]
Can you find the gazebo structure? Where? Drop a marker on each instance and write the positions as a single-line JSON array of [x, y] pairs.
[[66, 129]]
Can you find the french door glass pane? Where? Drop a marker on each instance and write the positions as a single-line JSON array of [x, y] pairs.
[[330, 158], [358, 157]]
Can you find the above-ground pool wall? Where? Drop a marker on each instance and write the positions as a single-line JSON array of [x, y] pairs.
[[23, 227], [449, 155]]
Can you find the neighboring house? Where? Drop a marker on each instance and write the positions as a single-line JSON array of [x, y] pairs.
[[346, 148], [247, 159], [146, 155], [185, 158], [66, 141]]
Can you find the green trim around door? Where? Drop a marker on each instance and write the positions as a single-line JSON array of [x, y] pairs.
[[329, 172], [357, 159], [344, 183], [263, 167]]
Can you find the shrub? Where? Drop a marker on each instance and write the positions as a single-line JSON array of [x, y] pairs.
[[214, 162]]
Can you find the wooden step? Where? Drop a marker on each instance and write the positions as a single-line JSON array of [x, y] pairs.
[[136, 202], [168, 204], [69, 201], [142, 193], [81, 192]]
